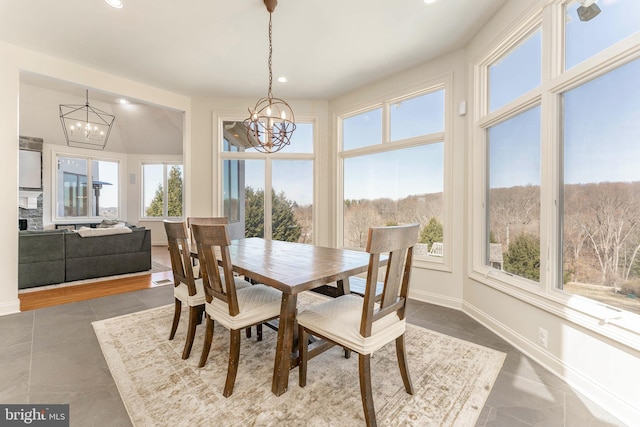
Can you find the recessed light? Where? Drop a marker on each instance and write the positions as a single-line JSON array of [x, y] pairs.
[[122, 101], [430, 1], [115, 3], [282, 79]]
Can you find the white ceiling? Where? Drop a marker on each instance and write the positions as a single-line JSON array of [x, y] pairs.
[[219, 47]]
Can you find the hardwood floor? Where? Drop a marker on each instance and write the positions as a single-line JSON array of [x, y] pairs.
[[67, 294]]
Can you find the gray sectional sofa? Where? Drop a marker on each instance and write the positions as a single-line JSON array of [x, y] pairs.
[[56, 256]]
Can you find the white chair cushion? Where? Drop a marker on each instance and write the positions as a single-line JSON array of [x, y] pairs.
[[181, 291], [257, 303], [339, 320]]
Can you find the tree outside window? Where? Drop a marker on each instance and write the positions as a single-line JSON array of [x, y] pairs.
[[163, 182]]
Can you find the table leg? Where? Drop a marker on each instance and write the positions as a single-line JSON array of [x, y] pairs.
[[343, 286], [284, 346]]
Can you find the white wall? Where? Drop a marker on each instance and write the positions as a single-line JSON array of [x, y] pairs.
[[9, 88]]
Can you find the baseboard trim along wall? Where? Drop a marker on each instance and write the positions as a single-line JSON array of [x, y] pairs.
[[609, 401]]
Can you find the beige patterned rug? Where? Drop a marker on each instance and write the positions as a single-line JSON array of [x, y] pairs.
[[452, 378]]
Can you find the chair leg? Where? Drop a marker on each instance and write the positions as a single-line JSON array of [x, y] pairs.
[[303, 355], [259, 331], [402, 363], [248, 332], [234, 357], [176, 318], [208, 337], [201, 313], [364, 365], [194, 315]]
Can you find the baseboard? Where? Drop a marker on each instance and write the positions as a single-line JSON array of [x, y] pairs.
[[10, 307], [437, 299], [613, 404]]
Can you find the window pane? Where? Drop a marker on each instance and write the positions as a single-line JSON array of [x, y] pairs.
[[254, 198], [174, 190], [601, 211], [231, 189], [362, 130], [153, 190], [417, 116], [301, 140], [105, 188], [235, 139], [513, 241], [72, 187], [516, 73], [618, 20], [292, 209], [396, 187]]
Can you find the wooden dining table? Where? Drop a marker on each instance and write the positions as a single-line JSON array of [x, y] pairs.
[[293, 268]]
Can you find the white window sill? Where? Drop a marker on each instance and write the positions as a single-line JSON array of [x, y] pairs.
[[610, 322]]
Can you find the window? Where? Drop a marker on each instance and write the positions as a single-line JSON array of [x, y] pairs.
[[516, 73], [601, 188], [513, 199], [162, 190], [362, 129], [618, 20], [396, 178], [556, 161], [87, 187], [268, 195]]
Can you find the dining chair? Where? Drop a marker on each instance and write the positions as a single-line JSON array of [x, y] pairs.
[[214, 220], [204, 220], [232, 307], [187, 288], [364, 325]]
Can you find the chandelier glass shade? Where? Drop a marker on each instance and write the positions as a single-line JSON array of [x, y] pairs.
[[271, 121], [85, 126]]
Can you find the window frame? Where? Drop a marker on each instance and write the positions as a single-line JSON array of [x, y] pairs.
[[55, 156], [442, 82], [268, 159], [622, 326], [165, 179]]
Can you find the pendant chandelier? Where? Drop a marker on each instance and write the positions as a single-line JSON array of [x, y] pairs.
[[271, 122], [85, 126]]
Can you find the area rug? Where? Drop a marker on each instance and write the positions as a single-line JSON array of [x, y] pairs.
[[452, 378]]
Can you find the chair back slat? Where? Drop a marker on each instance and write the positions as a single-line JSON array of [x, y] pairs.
[[177, 239], [204, 220], [398, 243], [213, 250]]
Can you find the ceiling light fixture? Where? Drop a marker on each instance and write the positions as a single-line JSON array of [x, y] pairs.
[[115, 3], [85, 126], [271, 122], [588, 10]]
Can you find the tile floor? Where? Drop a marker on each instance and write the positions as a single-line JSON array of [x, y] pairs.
[[51, 355]]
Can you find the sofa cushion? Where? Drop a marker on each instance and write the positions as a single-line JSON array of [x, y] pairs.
[[41, 258]]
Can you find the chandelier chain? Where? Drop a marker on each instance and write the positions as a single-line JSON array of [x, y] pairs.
[[270, 94]]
